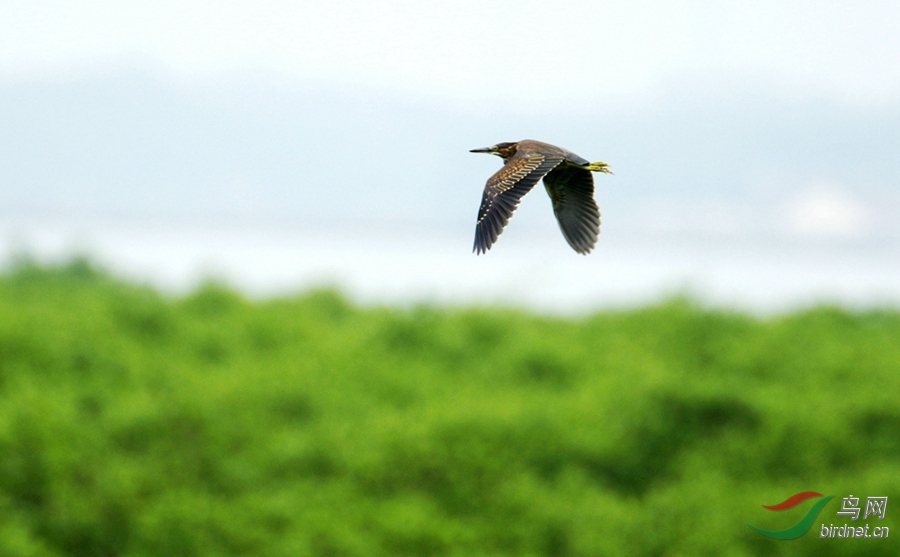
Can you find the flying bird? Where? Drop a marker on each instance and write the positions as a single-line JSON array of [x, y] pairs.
[[567, 178]]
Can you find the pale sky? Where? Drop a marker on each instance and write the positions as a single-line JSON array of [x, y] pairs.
[[748, 140], [474, 50]]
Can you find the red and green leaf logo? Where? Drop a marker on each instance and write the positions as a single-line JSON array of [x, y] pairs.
[[804, 523]]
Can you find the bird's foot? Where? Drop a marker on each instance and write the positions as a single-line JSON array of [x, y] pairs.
[[598, 167]]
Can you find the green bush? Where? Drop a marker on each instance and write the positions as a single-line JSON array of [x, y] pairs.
[[135, 424]]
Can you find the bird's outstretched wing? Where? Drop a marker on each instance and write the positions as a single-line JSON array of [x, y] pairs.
[[503, 192], [571, 190]]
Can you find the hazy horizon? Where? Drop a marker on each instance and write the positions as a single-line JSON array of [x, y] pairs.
[[742, 145]]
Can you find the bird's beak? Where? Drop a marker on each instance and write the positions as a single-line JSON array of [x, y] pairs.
[[482, 150]]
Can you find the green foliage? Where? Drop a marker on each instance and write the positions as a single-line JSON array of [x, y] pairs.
[[135, 424]]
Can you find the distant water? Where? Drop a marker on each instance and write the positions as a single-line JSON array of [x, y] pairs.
[[530, 267]]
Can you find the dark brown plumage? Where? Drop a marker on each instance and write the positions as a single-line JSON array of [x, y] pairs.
[[567, 178]]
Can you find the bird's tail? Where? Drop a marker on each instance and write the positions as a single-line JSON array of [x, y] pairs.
[[598, 167]]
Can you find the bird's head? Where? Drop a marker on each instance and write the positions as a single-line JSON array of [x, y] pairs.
[[502, 150]]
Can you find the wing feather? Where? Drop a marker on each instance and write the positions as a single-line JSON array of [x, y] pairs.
[[503, 192], [571, 190]]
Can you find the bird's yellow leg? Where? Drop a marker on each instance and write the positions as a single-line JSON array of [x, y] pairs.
[[598, 167]]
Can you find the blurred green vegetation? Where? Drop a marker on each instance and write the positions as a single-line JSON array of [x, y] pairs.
[[136, 424]]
